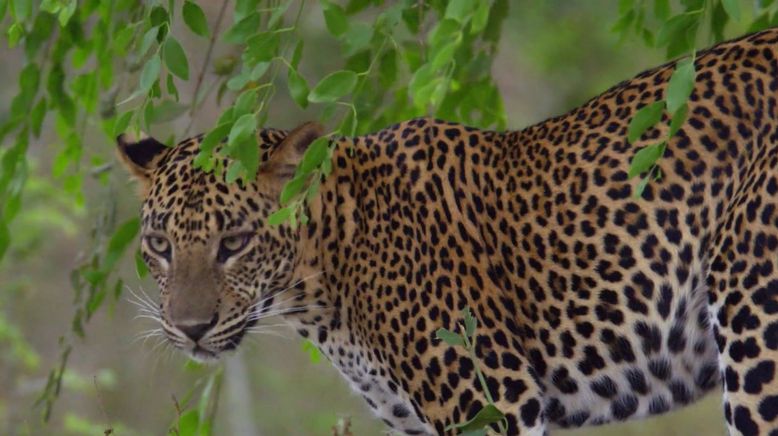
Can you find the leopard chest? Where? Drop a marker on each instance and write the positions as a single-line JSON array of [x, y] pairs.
[[385, 399]]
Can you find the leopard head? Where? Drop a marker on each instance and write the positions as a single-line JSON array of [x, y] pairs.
[[207, 242]]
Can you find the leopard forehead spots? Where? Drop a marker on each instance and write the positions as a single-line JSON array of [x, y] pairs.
[[593, 306]]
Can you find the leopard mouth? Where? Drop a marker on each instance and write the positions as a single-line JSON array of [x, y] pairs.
[[209, 353], [203, 355]]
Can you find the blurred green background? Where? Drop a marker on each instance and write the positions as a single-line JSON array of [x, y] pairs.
[[553, 56]]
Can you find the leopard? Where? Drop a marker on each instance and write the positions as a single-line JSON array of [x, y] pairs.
[[595, 302]]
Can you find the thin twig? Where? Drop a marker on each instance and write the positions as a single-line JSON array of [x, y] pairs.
[[204, 67], [108, 429]]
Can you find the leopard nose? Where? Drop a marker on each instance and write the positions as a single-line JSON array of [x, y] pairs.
[[196, 331]]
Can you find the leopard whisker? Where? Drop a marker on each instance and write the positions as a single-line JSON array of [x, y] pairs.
[[292, 286], [147, 334], [148, 316], [277, 304], [141, 299], [263, 315]]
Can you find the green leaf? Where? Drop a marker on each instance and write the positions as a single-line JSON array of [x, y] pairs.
[[333, 87], [298, 88], [67, 12], [470, 322], [387, 73], [677, 121], [175, 58], [148, 114], [259, 70], [194, 17], [480, 17], [335, 18], [225, 65], [292, 188], [314, 355], [245, 7], [5, 237], [118, 287], [733, 8], [14, 34], [624, 24], [149, 38], [677, 32], [247, 152], [357, 38], [122, 123], [240, 31], [227, 117], [645, 159], [759, 23], [459, 9], [189, 423], [95, 300], [167, 110], [234, 171], [444, 55], [279, 216], [215, 136], [37, 115], [314, 155], [123, 37], [140, 265], [675, 26], [262, 47], [150, 74], [244, 127], [423, 84], [171, 87], [293, 219], [21, 9], [641, 186], [236, 83], [718, 21], [662, 9], [681, 85], [159, 16], [313, 189], [486, 416], [348, 127], [278, 14], [644, 119], [245, 103], [297, 55], [449, 337], [443, 32], [119, 242], [29, 80]]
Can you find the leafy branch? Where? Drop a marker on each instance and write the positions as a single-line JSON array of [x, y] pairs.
[[678, 34]]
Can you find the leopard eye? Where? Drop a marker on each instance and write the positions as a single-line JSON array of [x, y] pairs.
[[159, 245], [231, 245]]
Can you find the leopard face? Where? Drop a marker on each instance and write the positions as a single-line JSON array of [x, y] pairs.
[[206, 242]]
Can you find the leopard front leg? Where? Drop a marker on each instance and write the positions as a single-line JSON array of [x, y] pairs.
[[744, 307]]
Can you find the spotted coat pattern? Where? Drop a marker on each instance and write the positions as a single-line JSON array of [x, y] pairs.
[[593, 306]]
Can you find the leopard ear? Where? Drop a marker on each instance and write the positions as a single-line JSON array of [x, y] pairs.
[[284, 157], [140, 156]]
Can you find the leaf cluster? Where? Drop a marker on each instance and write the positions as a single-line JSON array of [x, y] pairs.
[[489, 416], [678, 34]]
